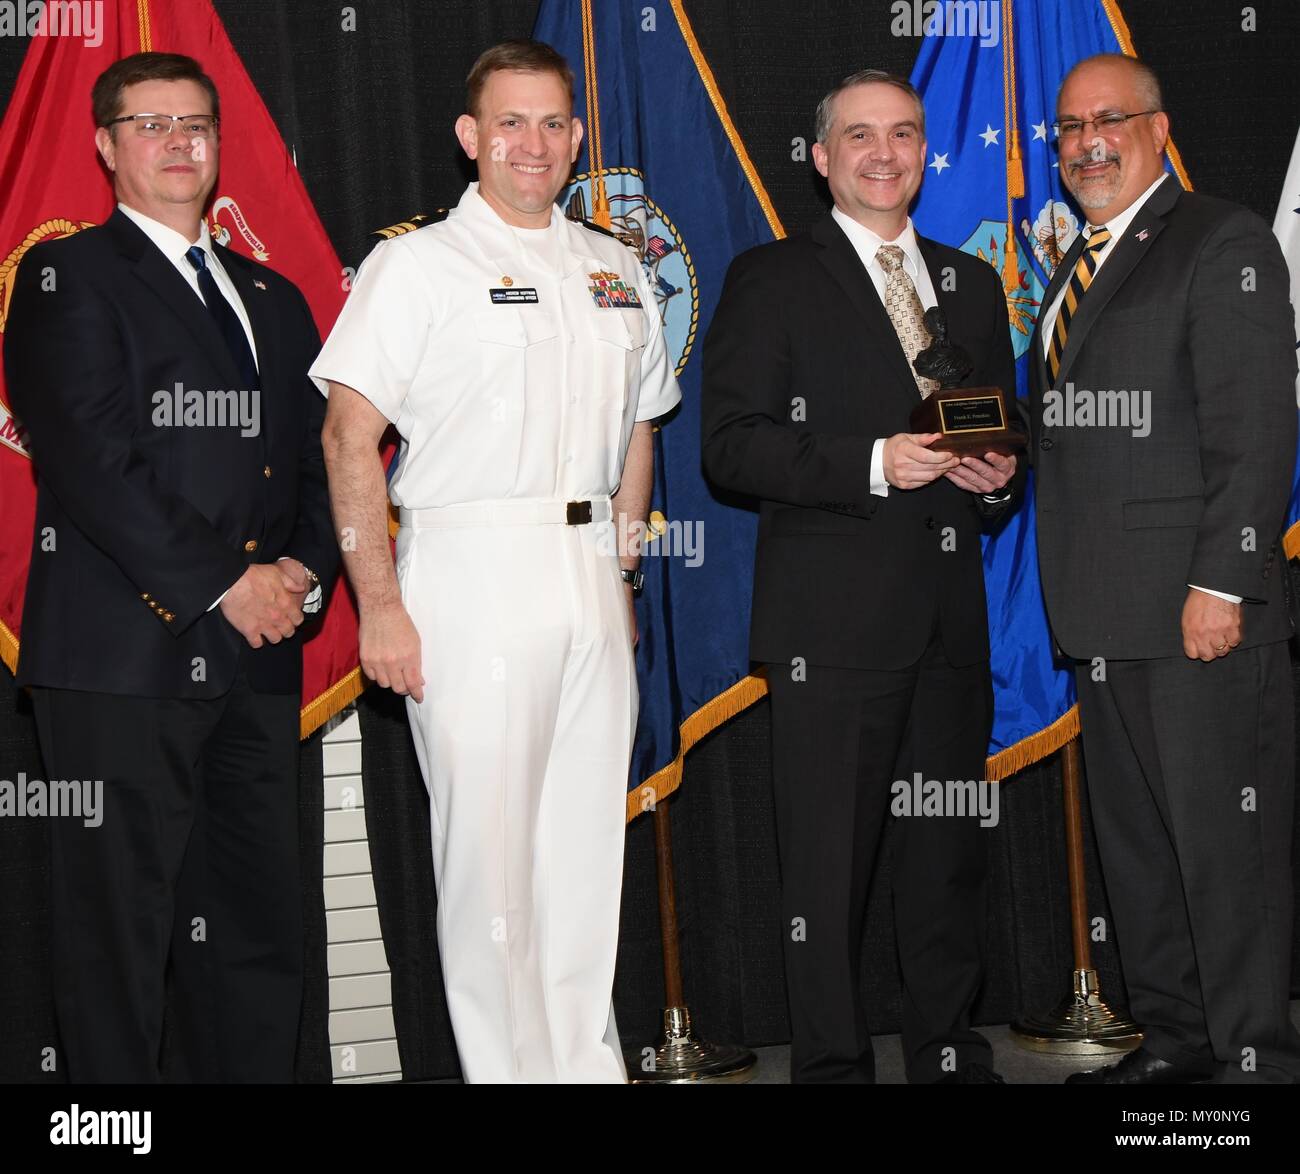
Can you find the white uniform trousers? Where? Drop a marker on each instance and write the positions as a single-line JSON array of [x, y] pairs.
[[524, 738]]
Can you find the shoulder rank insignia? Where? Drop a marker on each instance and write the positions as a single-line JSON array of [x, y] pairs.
[[402, 227], [623, 238]]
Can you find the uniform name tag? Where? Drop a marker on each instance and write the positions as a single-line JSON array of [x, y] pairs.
[[509, 297]]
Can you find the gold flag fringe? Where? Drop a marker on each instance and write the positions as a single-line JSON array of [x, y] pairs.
[[334, 700], [693, 729], [1291, 541], [1036, 747], [750, 689], [8, 648]]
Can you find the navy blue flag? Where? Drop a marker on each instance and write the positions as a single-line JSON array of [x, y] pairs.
[[992, 188], [663, 167]]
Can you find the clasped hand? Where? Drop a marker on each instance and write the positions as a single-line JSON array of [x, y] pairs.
[[265, 604], [910, 463]]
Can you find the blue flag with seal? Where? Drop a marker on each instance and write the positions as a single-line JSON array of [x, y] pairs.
[[664, 169], [993, 189]]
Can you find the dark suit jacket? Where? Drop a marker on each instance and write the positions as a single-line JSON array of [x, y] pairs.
[[802, 372], [139, 527], [1191, 309]]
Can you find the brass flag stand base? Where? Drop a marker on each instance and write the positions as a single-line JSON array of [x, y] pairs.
[[679, 1058], [1081, 1024]]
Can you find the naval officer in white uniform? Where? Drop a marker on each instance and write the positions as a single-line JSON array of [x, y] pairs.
[[521, 358]]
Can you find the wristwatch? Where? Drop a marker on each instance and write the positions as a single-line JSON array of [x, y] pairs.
[[636, 578]]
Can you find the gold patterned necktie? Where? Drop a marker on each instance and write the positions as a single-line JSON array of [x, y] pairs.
[[903, 305], [1085, 270]]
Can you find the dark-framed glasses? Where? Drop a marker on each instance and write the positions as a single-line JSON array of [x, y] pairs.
[[160, 126], [1105, 123]]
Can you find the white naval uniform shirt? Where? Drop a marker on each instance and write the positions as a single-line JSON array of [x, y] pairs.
[[505, 398]]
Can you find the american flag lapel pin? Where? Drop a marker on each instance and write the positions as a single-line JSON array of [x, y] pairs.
[[259, 284], [1143, 235]]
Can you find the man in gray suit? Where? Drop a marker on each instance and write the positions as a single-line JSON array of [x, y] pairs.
[[1164, 432]]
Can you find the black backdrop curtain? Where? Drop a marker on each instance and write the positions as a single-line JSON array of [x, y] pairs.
[[368, 114]]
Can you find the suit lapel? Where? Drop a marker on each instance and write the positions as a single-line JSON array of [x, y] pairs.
[[845, 266], [1126, 252], [261, 317], [174, 294]]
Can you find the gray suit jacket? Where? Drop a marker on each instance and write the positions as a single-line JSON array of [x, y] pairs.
[[1183, 350]]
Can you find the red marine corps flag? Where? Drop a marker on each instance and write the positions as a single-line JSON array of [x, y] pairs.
[[54, 185]]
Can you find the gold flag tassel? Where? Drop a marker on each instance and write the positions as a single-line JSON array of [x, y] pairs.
[[599, 196], [1015, 166]]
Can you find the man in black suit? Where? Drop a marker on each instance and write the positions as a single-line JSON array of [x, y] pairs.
[[868, 585], [1164, 435], [182, 526]]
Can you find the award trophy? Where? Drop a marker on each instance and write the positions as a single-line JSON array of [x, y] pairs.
[[972, 420]]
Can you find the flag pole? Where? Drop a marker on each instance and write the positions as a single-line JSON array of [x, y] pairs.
[[678, 1057], [1082, 1023]]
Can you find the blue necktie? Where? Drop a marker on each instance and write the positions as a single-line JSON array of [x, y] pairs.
[[227, 320]]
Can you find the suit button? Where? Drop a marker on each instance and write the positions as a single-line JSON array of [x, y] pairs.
[[169, 616], [1046, 442], [929, 523], [145, 597], [250, 545], [266, 471]]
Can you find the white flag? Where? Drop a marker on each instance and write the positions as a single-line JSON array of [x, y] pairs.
[[1286, 227]]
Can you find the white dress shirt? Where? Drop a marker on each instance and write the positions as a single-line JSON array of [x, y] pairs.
[[174, 246], [865, 244], [1117, 226]]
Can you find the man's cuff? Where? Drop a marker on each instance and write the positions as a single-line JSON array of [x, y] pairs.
[[219, 598], [1216, 594], [879, 486]]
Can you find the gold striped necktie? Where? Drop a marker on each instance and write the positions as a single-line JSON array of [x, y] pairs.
[[903, 305], [1084, 271]]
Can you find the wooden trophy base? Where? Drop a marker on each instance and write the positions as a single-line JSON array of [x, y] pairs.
[[972, 420]]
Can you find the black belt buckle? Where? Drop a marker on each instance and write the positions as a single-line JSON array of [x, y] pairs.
[[577, 513]]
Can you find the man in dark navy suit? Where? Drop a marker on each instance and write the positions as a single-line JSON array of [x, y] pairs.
[[182, 530]]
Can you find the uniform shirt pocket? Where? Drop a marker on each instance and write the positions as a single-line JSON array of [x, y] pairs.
[[618, 356]]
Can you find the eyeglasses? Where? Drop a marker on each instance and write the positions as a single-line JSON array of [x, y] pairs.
[[160, 126], [1105, 123]]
